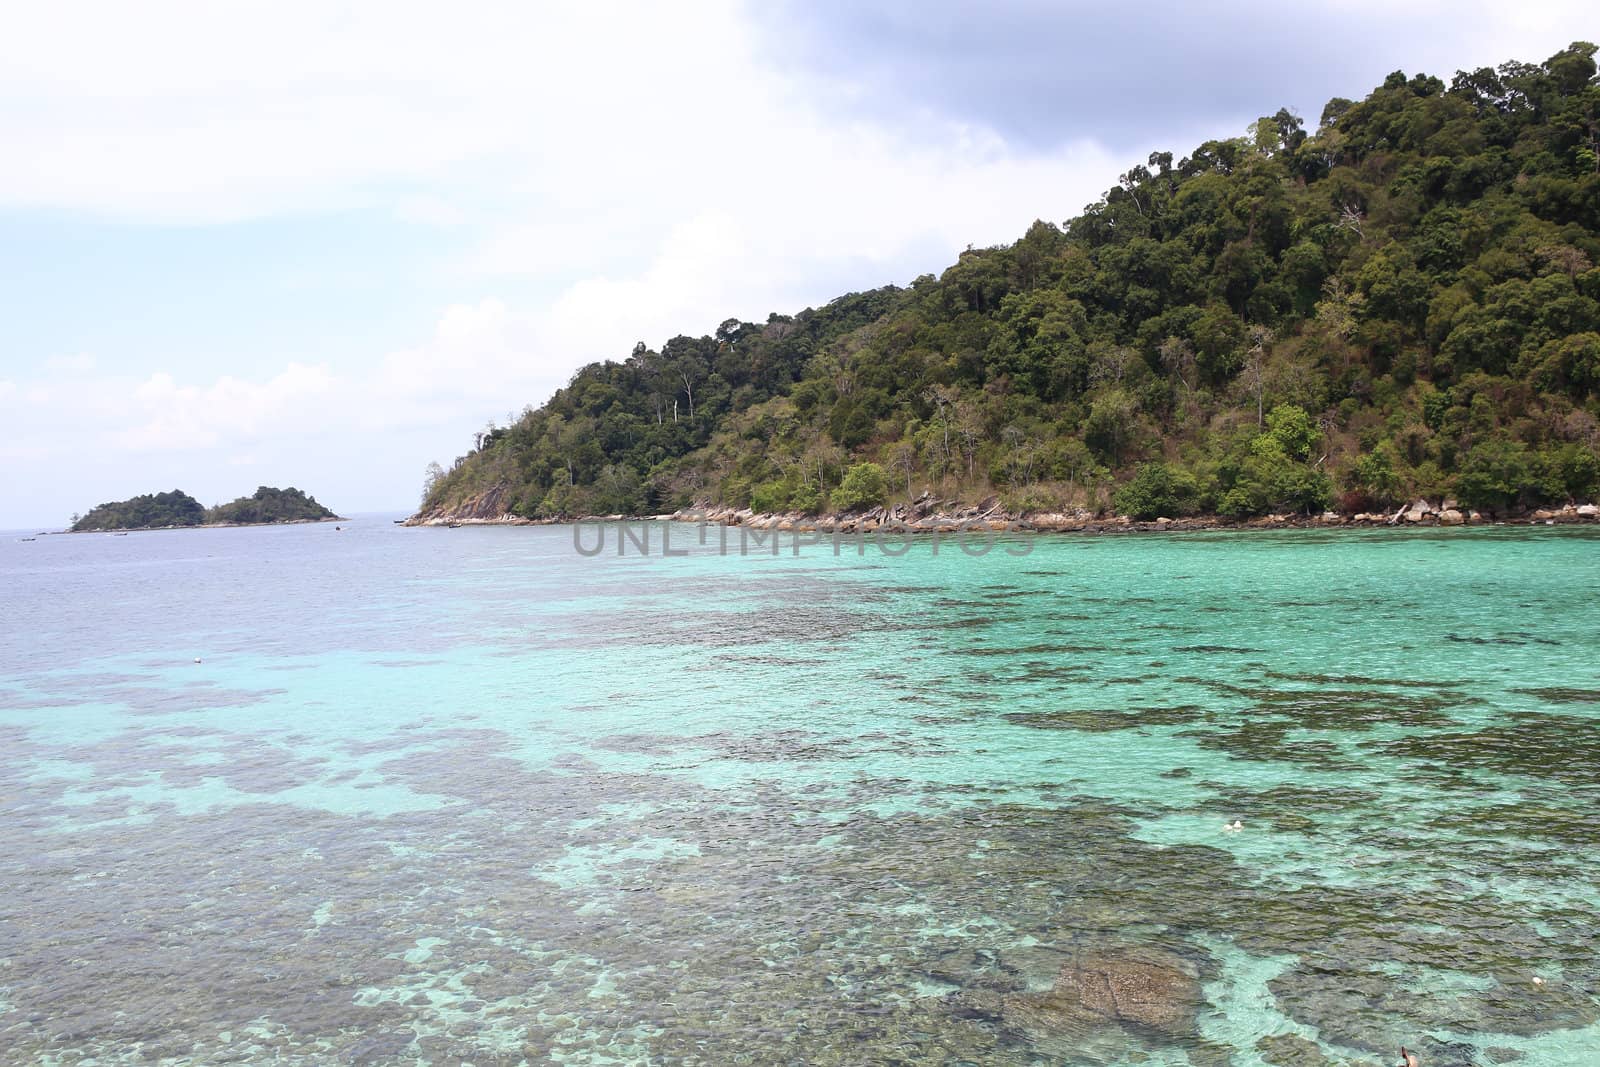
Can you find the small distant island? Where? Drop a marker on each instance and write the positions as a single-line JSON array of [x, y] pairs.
[[176, 509]]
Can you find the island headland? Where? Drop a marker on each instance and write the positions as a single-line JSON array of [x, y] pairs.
[[1388, 315]]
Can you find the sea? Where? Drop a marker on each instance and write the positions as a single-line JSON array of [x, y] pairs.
[[360, 793]]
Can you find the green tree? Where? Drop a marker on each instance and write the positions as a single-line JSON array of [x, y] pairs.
[[1376, 476], [1574, 470], [1269, 481], [864, 486], [769, 498], [1497, 475], [1158, 490], [1112, 423], [1292, 430], [431, 477]]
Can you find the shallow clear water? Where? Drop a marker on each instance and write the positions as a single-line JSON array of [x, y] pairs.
[[468, 796]]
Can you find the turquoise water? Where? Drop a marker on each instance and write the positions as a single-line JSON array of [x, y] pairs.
[[446, 796]]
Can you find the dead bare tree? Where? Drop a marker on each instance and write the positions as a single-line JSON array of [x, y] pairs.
[[942, 397], [1111, 363], [1255, 369], [1177, 357], [903, 457], [1351, 217]]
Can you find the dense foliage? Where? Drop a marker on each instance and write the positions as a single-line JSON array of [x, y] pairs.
[[270, 505], [1403, 301], [175, 508], [180, 509]]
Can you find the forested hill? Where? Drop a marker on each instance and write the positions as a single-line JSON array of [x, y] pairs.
[[177, 508], [1400, 301], [268, 504], [148, 511]]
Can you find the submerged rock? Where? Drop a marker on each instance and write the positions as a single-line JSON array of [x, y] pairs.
[[1137, 986], [1289, 1050]]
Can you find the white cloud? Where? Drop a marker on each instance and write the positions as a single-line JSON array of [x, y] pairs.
[[174, 416], [22, 453], [76, 441], [634, 162], [430, 211], [602, 173], [81, 363], [480, 359], [188, 110]]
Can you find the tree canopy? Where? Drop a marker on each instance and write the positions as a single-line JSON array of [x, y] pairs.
[[270, 505], [177, 508], [1401, 301], [149, 511]]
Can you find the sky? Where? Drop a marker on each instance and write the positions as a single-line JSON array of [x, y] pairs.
[[322, 243]]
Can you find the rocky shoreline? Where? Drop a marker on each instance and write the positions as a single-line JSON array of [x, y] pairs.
[[928, 514]]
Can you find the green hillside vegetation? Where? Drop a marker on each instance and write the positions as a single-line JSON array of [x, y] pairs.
[[152, 510], [177, 508], [1401, 301], [271, 505]]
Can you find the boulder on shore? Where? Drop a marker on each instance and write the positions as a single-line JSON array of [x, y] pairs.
[[1451, 517]]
